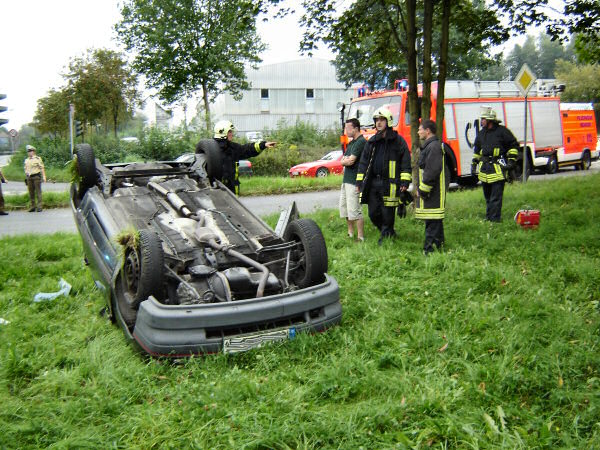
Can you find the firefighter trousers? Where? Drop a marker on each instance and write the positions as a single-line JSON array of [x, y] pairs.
[[383, 217], [434, 235], [493, 193]]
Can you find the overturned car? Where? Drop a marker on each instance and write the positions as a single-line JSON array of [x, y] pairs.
[[187, 268]]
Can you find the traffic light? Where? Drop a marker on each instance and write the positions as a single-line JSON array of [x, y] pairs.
[[3, 109], [78, 128]]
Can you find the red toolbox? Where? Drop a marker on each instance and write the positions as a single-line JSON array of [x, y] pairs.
[[528, 218]]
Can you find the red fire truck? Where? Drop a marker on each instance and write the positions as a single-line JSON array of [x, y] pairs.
[[557, 134]]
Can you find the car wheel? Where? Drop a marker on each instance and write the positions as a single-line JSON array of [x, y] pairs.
[[309, 259], [322, 172], [586, 160], [141, 275], [86, 168], [213, 157], [552, 165]]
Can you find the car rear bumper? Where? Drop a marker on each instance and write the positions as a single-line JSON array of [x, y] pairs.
[[184, 330]]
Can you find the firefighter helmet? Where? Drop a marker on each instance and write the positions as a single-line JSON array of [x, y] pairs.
[[385, 113], [488, 113], [222, 127]]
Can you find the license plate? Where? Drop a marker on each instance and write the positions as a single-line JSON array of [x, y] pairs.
[[295, 173], [250, 341]]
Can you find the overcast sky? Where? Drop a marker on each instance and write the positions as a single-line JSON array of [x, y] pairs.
[[41, 36]]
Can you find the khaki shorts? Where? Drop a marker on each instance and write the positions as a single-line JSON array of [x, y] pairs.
[[350, 207]]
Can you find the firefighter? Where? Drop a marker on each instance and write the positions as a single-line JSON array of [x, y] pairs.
[[495, 156], [431, 186], [233, 152], [383, 173]]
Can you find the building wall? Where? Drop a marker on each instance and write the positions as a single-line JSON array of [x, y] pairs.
[[304, 90]]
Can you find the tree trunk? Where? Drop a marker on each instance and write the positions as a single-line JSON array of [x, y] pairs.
[[206, 106], [115, 119], [427, 37], [444, 42], [413, 95]]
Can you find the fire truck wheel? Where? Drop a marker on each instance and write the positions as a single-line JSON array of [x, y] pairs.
[[552, 165], [586, 161]]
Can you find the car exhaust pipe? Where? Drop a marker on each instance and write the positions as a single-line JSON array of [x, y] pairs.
[[174, 199]]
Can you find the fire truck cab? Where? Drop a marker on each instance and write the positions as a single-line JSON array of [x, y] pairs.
[[553, 134]]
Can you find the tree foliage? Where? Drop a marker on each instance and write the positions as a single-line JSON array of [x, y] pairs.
[[184, 46], [52, 113], [582, 82], [102, 88]]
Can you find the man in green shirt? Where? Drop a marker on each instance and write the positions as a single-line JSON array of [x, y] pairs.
[[350, 207]]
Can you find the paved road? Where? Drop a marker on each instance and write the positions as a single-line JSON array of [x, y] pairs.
[[52, 221], [55, 220]]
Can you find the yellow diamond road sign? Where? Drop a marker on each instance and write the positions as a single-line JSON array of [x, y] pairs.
[[525, 79]]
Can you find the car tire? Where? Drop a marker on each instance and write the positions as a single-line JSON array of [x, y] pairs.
[[321, 172], [552, 165], [212, 156], [142, 275], [309, 259], [86, 168]]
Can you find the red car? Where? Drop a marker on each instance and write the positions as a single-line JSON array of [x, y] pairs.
[[328, 164]]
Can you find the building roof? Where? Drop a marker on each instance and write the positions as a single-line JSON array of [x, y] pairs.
[[298, 74]]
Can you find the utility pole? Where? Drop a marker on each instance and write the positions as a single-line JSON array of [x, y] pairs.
[[71, 114]]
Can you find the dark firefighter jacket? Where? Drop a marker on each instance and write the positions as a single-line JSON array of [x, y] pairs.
[[495, 148], [232, 152], [387, 157], [434, 178]]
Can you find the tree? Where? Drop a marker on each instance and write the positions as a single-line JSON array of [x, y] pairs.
[[103, 88], [396, 33], [52, 113], [587, 48], [582, 82], [182, 46]]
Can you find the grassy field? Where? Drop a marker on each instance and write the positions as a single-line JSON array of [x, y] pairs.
[[492, 344], [249, 186]]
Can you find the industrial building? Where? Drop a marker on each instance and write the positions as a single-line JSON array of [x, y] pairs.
[[302, 90]]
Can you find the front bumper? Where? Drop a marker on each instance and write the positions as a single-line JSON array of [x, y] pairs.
[[185, 330]]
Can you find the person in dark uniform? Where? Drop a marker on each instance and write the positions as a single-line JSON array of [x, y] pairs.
[[431, 186], [233, 152], [2, 180], [383, 173], [495, 155]]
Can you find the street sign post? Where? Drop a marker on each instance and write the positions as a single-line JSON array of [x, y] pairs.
[[524, 82], [13, 133]]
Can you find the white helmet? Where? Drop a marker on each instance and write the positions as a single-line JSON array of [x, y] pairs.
[[222, 127], [488, 113]]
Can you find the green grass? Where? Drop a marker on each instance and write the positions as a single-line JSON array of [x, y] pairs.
[[492, 344], [16, 202]]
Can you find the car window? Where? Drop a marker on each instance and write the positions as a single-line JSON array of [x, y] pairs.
[[332, 156], [101, 240]]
